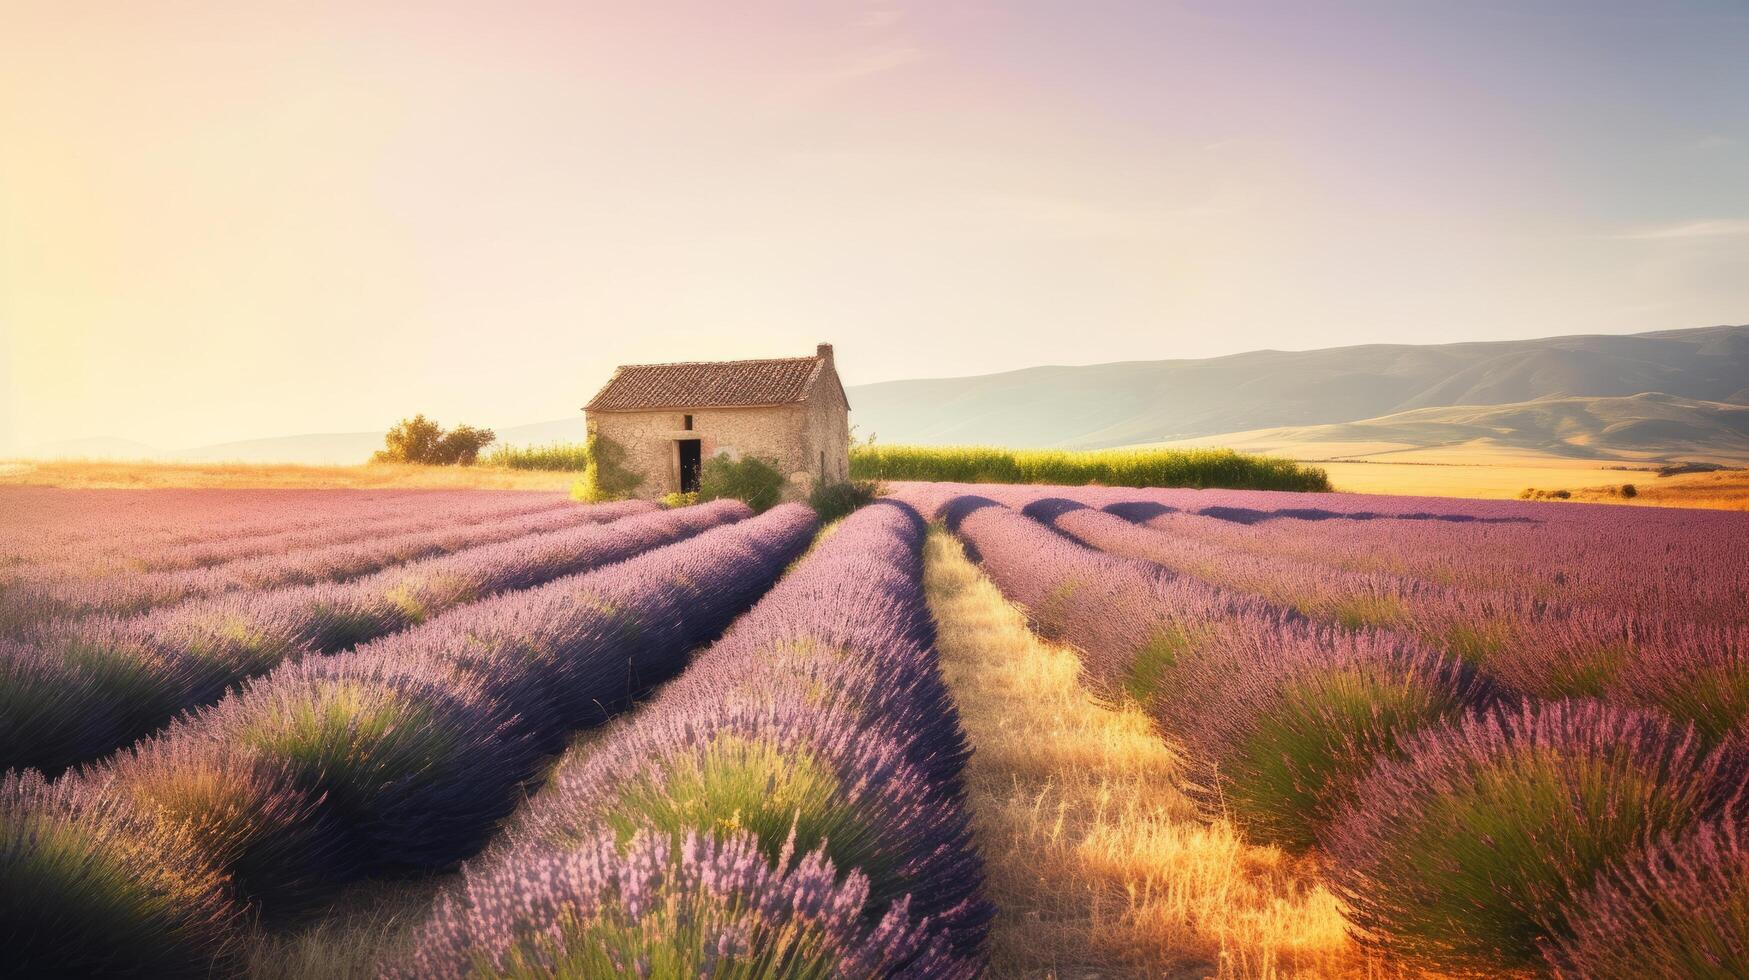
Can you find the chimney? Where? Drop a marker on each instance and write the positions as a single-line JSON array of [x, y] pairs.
[[824, 352]]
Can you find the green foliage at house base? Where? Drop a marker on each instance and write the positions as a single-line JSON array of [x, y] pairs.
[[753, 481], [605, 476]]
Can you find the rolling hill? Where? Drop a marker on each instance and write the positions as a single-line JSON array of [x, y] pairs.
[[1638, 428], [1158, 401]]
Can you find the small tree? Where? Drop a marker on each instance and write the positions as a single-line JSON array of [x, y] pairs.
[[753, 481], [413, 441], [420, 440], [462, 445]]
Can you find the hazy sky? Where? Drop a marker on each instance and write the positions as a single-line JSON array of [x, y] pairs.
[[231, 219]]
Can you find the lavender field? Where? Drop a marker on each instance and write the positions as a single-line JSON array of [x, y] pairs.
[[622, 740], [1509, 736]]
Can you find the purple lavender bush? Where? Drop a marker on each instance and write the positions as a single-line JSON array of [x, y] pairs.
[[92, 886], [1289, 719], [1677, 910], [791, 766], [1462, 854]]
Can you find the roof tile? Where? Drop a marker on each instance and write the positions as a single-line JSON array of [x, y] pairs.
[[707, 384]]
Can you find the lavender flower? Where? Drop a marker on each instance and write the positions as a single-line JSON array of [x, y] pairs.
[[694, 906]]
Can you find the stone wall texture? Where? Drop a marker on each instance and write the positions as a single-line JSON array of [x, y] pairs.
[[809, 441]]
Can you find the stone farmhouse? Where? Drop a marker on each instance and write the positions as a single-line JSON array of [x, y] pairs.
[[670, 418]]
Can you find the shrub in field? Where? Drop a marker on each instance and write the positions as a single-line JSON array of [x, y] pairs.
[[563, 456], [753, 481], [92, 886], [678, 499], [1678, 909], [420, 440], [1290, 719], [1110, 467], [705, 907], [1463, 853], [834, 500], [605, 476]]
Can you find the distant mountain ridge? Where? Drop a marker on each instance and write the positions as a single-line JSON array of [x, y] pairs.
[[1136, 402], [1638, 428], [1152, 401]]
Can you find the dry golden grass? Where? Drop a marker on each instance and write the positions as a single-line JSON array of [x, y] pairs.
[[1728, 490], [1100, 865], [1500, 479], [1485, 477], [146, 475]]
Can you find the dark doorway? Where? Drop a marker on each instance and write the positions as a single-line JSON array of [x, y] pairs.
[[689, 453]]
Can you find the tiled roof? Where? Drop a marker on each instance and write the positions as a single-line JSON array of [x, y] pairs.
[[705, 384]]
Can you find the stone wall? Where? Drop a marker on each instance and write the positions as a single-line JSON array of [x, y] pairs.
[[650, 440], [828, 431]]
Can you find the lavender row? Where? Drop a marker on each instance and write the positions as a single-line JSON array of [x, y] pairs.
[[1550, 650], [77, 692], [53, 524], [24, 603], [74, 518], [791, 805], [400, 755], [221, 548], [1463, 832]]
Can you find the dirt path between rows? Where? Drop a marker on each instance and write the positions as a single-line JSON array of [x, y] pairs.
[[1101, 867]]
